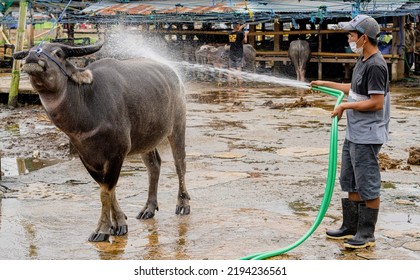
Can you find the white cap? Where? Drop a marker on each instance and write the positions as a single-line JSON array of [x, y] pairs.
[[364, 24]]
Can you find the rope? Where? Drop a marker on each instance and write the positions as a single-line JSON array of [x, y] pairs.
[[39, 49]]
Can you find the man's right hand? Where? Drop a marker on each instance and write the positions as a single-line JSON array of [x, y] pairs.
[[317, 83]]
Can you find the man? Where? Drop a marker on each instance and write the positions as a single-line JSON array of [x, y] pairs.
[[409, 48], [368, 115], [237, 39], [417, 50]]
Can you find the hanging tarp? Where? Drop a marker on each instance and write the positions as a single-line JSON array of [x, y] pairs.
[[5, 5]]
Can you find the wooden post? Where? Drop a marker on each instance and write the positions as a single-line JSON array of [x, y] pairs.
[[276, 66], [394, 48], [30, 36], [397, 68], [14, 84], [251, 39], [347, 73], [319, 50], [281, 28], [30, 32], [401, 51], [276, 37]]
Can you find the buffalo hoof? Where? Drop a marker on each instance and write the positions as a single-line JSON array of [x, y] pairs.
[[182, 210], [145, 215], [120, 230], [98, 237]]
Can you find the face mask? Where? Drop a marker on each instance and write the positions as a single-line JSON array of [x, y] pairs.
[[354, 48]]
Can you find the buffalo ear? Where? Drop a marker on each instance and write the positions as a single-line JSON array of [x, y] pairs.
[[20, 55]]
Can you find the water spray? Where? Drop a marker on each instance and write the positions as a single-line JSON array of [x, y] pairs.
[[245, 76], [331, 175], [123, 46]]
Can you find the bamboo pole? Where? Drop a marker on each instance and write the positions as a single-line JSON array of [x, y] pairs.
[[44, 33], [4, 35], [14, 84]]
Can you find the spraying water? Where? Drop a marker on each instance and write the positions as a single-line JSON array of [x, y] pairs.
[[123, 45], [247, 76]]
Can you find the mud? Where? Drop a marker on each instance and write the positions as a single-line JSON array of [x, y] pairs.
[[256, 177], [414, 156]]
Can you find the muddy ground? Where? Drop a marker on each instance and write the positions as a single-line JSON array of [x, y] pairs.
[[256, 176]]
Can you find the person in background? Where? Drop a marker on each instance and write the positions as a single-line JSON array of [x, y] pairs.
[[409, 48], [237, 39], [417, 50], [368, 116]]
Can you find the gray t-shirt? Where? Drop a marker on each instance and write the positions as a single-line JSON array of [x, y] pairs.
[[369, 77]]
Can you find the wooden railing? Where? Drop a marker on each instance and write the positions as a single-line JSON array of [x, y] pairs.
[[328, 57]]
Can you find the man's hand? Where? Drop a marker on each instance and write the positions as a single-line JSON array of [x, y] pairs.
[[339, 86], [317, 83], [338, 111]]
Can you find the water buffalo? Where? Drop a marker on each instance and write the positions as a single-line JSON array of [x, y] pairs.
[[300, 54], [201, 57], [219, 56], [250, 54], [201, 53], [110, 109]]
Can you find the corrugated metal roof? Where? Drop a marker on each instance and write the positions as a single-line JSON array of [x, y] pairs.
[[224, 10], [413, 6], [285, 6], [262, 10]]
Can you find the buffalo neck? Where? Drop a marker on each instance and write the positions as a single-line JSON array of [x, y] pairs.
[[66, 107]]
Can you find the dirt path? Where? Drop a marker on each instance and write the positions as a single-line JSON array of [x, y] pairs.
[[256, 177]]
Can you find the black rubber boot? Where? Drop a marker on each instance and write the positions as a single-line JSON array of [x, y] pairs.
[[365, 229], [350, 217]]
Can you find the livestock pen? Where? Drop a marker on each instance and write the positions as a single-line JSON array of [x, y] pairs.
[[273, 25]]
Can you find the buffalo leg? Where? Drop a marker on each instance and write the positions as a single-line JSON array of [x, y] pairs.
[[103, 230], [177, 142], [119, 224], [112, 219], [152, 161]]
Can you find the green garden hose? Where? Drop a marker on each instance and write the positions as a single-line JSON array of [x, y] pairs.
[[331, 175]]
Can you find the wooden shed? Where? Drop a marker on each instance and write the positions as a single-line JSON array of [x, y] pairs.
[[273, 24]]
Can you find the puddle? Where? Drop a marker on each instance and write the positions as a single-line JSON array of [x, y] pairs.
[[400, 221], [222, 124], [411, 100], [388, 185], [211, 97], [302, 208], [248, 146], [19, 166]]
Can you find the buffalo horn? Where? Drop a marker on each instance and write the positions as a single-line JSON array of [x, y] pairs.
[[20, 55], [81, 51]]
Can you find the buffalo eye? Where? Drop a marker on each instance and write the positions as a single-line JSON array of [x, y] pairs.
[[59, 53]]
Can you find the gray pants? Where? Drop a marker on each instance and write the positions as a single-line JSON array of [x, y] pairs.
[[360, 171], [236, 63]]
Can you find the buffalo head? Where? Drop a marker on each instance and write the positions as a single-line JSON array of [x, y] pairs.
[[50, 60]]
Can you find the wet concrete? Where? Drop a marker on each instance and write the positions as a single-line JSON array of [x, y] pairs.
[[256, 177]]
